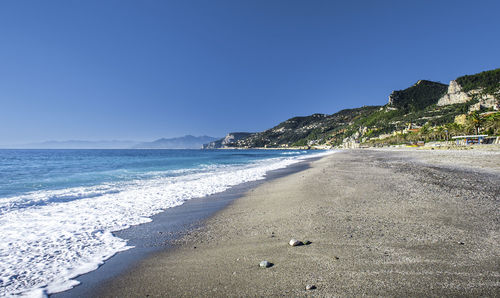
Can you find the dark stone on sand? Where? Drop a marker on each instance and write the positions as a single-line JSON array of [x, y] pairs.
[[310, 287]]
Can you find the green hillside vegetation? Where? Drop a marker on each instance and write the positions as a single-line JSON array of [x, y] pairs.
[[386, 120], [489, 81], [475, 124], [319, 129], [419, 96], [301, 131], [492, 124], [414, 107]]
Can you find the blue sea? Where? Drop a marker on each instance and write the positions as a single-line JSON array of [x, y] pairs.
[[58, 208]]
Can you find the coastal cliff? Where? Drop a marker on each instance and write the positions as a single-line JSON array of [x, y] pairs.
[[483, 87], [230, 140], [454, 95], [426, 111]]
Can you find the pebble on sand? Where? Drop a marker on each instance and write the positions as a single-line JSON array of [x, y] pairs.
[[310, 287], [265, 264], [295, 242]]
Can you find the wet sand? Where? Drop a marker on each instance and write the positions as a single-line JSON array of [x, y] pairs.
[[381, 223], [160, 234]]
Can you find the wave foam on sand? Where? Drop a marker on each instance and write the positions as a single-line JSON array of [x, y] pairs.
[[48, 244]]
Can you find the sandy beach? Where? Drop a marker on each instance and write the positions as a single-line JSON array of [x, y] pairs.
[[380, 223]]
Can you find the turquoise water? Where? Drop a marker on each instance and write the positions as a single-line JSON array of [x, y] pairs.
[[58, 208], [23, 171]]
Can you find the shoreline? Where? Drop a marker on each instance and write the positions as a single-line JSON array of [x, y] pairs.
[[380, 223], [165, 228]]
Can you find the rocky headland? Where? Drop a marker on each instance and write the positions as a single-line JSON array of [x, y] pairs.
[[229, 141], [426, 111]]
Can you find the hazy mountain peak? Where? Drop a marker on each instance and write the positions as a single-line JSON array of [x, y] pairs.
[[185, 142]]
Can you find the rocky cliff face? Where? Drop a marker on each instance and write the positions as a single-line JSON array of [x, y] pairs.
[[229, 141], [393, 97], [456, 95], [352, 127]]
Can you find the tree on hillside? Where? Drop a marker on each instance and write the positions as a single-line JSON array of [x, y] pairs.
[[475, 120], [424, 132], [440, 133], [492, 124], [454, 129]]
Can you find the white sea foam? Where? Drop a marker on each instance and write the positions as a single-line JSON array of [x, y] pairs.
[[46, 245], [292, 152]]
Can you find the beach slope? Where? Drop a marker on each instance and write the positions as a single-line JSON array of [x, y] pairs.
[[380, 223]]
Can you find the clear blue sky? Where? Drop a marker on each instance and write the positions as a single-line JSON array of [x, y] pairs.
[[141, 70]]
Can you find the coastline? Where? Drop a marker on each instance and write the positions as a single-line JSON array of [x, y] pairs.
[[380, 223], [167, 227]]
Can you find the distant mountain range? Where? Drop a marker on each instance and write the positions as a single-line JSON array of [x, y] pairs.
[[426, 110], [185, 142], [76, 144]]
